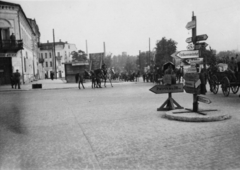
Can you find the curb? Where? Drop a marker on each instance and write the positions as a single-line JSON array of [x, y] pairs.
[[195, 117]]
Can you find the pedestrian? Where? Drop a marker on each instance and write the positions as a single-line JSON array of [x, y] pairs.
[[13, 39], [202, 77], [232, 67], [80, 81], [13, 81], [76, 77], [17, 76], [169, 71], [52, 75]]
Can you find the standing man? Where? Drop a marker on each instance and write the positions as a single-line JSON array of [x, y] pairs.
[[52, 75], [13, 39], [17, 76], [80, 81]]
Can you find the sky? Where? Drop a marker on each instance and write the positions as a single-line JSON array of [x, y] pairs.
[[127, 25]]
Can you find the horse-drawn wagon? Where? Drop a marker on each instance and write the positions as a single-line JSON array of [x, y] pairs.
[[221, 75]]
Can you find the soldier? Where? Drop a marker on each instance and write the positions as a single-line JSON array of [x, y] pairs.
[[52, 75], [13, 39], [17, 76], [13, 81], [232, 67], [80, 80]]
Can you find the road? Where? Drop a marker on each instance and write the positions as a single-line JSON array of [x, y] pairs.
[[113, 128]]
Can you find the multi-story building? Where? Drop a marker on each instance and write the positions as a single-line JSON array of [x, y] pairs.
[[17, 52], [37, 60], [63, 55]]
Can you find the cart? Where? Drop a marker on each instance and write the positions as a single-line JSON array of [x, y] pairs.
[[222, 76]]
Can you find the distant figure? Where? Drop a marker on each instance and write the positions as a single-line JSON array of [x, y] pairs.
[[52, 75], [13, 81], [232, 67], [144, 77], [17, 76], [80, 81], [13, 38], [76, 77], [169, 70]]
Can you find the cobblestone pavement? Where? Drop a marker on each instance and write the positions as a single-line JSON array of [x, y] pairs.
[[113, 128]]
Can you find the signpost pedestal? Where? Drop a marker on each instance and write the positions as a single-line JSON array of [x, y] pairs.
[[169, 103]]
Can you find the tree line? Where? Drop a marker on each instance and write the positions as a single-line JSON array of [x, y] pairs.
[[161, 54]]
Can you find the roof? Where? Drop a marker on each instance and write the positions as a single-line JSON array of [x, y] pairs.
[[13, 4], [48, 46]]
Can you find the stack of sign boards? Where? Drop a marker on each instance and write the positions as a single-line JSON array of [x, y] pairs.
[[192, 81]]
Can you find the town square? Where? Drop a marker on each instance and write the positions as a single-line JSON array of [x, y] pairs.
[[127, 85]]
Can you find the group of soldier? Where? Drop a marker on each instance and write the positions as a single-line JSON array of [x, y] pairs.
[[15, 80]]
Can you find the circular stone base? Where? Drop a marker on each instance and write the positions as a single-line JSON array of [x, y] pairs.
[[190, 116]]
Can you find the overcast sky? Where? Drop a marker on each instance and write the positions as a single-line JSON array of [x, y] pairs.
[[127, 25]]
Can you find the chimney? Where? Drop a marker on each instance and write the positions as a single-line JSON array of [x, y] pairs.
[[47, 41], [66, 42], [59, 40]]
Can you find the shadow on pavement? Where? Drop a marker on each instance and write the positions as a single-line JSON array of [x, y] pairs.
[[11, 119]]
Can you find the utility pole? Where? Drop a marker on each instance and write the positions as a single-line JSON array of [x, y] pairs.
[[104, 49], [86, 48], [139, 60], [149, 53], [54, 57]]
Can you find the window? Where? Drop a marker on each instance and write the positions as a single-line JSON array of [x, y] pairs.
[[58, 53], [46, 64], [26, 54], [50, 55], [45, 55], [41, 55], [50, 63]]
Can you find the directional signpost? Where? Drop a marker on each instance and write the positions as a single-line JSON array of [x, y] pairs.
[[204, 100], [189, 40], [198, 46], [201, 37], [169, 103], [188, 54], [191, 24]]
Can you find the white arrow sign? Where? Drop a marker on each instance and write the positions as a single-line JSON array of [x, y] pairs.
[[188, 54]]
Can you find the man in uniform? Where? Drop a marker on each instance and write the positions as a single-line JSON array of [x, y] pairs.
[[80, 81], [17, 76]]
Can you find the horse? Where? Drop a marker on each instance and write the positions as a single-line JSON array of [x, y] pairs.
[[179, 74], [107, 74], [98, 74]]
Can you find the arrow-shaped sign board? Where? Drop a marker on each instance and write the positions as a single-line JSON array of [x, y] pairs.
[[201, 37], [173, 88], [189, 39], [188, 54], [191, 25], [200, 45], [204, 99]]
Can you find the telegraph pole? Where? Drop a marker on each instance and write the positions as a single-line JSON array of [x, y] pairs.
[[54, 54], [86, 48], [149, 53]]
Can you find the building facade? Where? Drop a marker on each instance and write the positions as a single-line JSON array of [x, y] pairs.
[[63, 55], [18, 52]]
